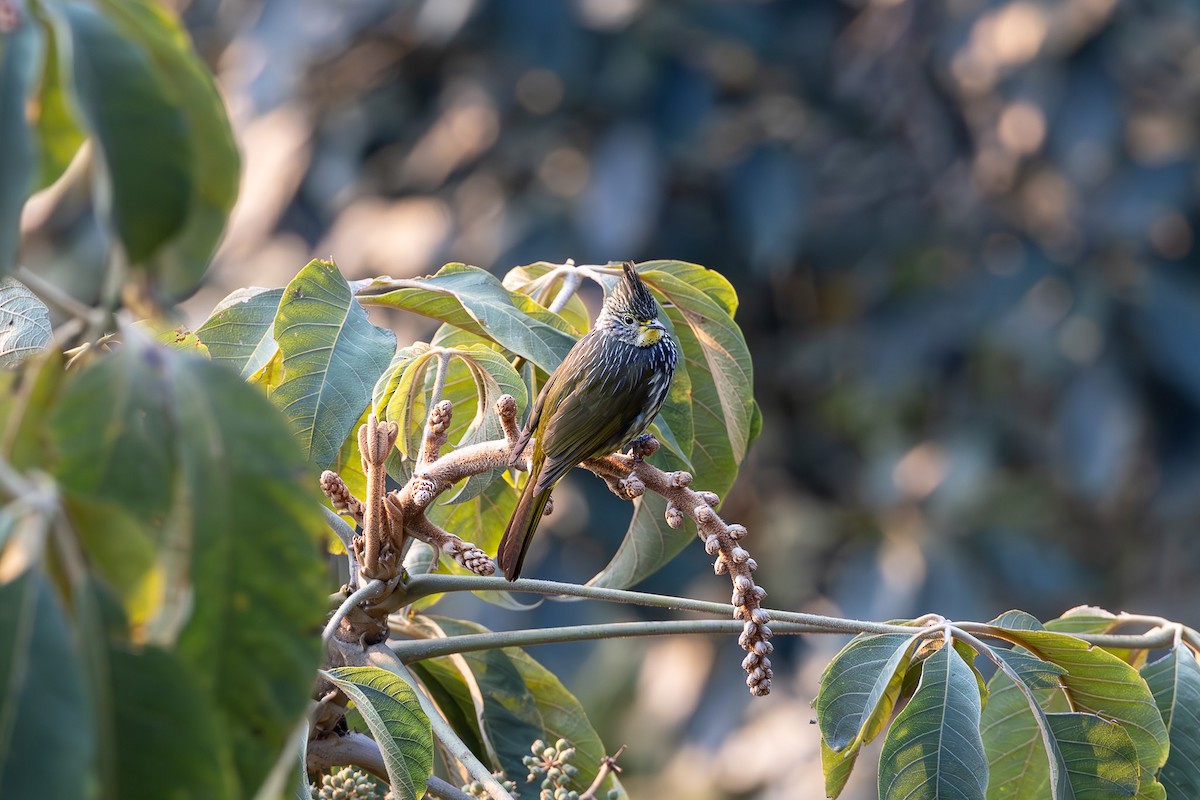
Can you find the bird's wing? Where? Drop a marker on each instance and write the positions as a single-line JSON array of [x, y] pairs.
[[611, 397]]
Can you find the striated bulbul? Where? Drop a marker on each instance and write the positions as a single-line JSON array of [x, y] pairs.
[[604, 394]]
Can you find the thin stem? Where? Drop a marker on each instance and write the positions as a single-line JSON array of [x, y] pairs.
[[424, 585], [571, 283], [1150, 640], [53, 295], [436, 787], [417, 649], [340, 528], [607, 765], [441, 728], [439, 378], [372, 589]]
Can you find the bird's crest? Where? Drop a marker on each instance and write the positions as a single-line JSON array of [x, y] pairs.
[[631, 296]]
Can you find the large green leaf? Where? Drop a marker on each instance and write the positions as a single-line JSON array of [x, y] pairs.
[[518, 701], [140, 130], [1101, 683], [332, 355], [20, 59], [1175, 681], [240, 332], [166, 741], [475, 300], [563, 718], [179, 267], [507, 712], [24, 323], [206, 461], [1013, 739], [933, 750], [392, 712], [399, 396], [46, 733], [860, 685]]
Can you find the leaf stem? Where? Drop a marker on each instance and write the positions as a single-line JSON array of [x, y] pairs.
[[411, 650], [424, 585]]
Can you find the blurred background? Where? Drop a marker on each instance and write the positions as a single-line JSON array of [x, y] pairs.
[[963, 233]]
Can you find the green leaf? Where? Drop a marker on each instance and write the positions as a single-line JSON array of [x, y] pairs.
[[1100, 683], [474, 300], [1100, 758], [933, 749], [533, 700], [507, 711], [837, 767], [140, 131], [46, 733], [20, 56], [399, 395], [860, 685], [332, 355], [58, 135], [240, 332], [166, 740], [400, 728], [210, 466], [536, 281], [1013, 741], [24, 323], [1175, 681], [563, 718], [121, 548], [179, 267]]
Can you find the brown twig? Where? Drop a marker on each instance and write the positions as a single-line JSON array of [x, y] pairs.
[[607, 764], [629, 476]]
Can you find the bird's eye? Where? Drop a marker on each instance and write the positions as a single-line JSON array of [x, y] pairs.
[[628, 320]]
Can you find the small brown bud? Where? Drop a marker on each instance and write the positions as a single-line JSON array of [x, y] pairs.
[[764, 648], [739, 609], [704, 514], [751, 564], [761, 689], [720, 567], [634, 487], [439, 418], [739, 555], [762, 616], [765, 631], [736, 531], [743, 583], [674, 517], [681, 479], [751, 661], [712, 545], [759, 593], [506, 405], [738, 601]]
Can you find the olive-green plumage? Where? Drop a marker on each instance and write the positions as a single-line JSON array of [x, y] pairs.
[[605, 393]]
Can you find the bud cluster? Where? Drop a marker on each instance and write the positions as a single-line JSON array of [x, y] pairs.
[[552, 764], [478, 790], [346, 783]]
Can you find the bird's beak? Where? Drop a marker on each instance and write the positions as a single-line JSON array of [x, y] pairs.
[[655, 325]]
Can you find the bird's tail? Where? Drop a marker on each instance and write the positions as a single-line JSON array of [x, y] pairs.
[[522, 526]]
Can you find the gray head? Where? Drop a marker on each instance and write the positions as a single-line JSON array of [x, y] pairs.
[[631, 313]]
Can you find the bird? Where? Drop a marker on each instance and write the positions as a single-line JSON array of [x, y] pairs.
[[604, 394]]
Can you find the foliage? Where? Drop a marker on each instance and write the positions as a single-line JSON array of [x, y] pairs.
[[163, 550]]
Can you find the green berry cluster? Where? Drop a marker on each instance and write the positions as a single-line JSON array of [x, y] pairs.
[[477, 789], [552, 765], [346, 784]]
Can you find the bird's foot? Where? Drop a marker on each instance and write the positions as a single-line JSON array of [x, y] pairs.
[[643, 446]]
